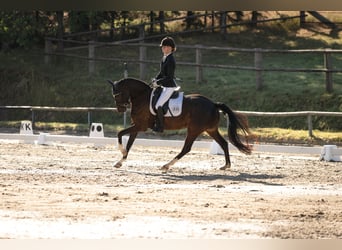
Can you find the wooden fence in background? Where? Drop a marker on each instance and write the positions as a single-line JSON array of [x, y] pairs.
[[327, 63], [140, 31]]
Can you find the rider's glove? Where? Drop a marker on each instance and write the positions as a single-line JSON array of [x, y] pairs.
[[154, 83]]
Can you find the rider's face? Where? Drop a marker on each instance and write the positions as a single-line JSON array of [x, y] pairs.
[[166, 50]]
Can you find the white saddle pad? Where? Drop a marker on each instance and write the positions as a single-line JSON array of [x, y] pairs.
[[175, 106]]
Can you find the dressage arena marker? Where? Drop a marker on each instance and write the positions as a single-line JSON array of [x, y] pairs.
[[42, 139], [26, 128], [327, 153], [96, 130], [330, 153], [215, 149]]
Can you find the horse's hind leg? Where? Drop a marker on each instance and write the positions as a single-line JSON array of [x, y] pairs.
[[186, 148], [215, 134]]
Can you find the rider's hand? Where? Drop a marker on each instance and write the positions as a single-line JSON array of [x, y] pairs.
[[154, 83]]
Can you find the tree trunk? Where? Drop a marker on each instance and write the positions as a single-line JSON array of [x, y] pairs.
[[60, 30], [189, 20], [254, 19], [112, 20], [162, 21], [212, 21], [223, 22], [152, 22]]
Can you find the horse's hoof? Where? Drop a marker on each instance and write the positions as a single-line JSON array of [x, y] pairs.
[[164, 169], [118, 165], [225, 167]]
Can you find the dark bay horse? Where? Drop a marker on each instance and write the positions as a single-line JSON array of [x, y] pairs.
[[199, 114]]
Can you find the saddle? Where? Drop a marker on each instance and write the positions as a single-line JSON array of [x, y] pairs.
[[171, 108]]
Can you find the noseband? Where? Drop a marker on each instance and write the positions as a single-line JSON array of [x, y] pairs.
[[124, 105]]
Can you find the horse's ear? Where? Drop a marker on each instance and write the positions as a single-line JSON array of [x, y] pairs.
[[110, 82]]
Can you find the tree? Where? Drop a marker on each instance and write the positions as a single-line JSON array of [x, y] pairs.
[[152, 17], [191, 21], [112, 16], [125, 16], [223, 22], [24, 28], [60, 29], [254, 20], [78, 21], [161, 19]]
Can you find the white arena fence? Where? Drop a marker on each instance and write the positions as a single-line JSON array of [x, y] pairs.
[[327, 152], [89, 110]]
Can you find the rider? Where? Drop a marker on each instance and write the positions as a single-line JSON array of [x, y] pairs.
[[165, 79]]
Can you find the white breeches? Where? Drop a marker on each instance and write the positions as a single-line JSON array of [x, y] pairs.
[[165, 95]]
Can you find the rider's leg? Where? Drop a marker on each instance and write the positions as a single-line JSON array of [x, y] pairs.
[[165, 95], [159, 122]]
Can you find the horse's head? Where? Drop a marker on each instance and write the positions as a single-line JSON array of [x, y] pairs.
[[121, 95]]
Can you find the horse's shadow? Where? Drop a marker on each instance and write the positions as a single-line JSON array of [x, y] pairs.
[[264, 179], [241, 177]]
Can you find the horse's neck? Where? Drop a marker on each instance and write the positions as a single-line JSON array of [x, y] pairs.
[[139, 90], [140, 98]]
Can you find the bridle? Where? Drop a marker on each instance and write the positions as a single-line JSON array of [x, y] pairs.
[[120, 104]]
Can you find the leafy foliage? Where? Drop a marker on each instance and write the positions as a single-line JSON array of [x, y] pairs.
[[24, 29]]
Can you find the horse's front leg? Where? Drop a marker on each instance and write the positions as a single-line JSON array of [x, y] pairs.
[[124, 151]]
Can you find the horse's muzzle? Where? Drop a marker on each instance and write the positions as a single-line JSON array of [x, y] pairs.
[[122, 107]]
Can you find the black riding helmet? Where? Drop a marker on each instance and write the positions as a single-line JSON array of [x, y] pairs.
[[168, 41]]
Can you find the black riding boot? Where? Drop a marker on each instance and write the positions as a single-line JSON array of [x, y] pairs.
[[159, 124]]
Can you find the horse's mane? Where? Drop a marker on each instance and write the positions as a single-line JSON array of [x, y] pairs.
[[136, 80]]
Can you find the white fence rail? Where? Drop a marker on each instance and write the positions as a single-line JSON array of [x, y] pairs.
[[89, 110]]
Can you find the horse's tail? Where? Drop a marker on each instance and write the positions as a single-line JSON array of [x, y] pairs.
[[237, 121]]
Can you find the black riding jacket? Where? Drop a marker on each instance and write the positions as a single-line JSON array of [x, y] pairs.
[[166, 75]]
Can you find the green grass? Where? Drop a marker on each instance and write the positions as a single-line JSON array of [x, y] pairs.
[[290, 136]]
